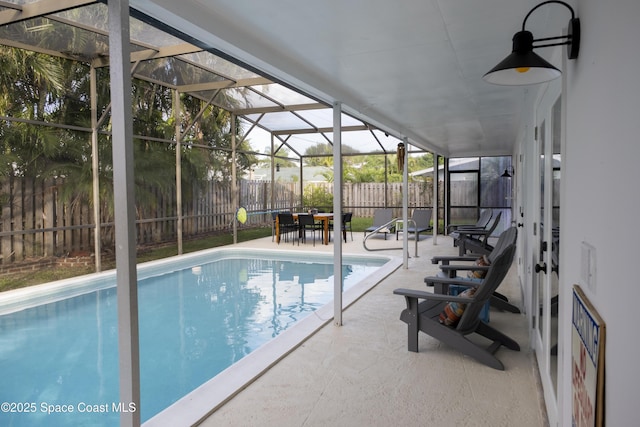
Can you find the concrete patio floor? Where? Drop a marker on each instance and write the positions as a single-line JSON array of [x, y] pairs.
[[362, 374]]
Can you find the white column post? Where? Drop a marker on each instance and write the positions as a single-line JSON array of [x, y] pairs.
[[178, 130], [337, 213], [273, 175], [436, 192], [234, 178], [95, 168], [124, 200], [405, 204]]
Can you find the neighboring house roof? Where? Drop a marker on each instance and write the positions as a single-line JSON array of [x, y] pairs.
[[310, 174], [452, 163]]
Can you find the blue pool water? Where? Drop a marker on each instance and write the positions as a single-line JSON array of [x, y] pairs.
[[196, 319]]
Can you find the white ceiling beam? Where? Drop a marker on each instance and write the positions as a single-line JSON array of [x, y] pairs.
[[224, 84], [320, 130], [41, 8], [279, 109], [148, 54]]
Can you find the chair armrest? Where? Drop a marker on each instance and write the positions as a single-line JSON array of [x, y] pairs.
[[457, 227], [469, 229], [452, 281], [441, 284], [412, 293], [447, 259], [465, 267], [451, 270], [478, 232]]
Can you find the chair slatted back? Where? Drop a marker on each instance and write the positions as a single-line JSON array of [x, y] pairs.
[[485, 217], [496, 273], [305, 220], [494, 223], [422, 217], [285, 219], [382, 216], [507, 238]]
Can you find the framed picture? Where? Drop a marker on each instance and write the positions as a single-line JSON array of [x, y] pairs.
[[587, 362]]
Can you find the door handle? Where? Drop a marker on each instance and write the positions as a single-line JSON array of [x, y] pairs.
[[541, 267]]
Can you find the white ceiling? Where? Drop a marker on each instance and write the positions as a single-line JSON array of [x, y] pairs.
[[412, 68]]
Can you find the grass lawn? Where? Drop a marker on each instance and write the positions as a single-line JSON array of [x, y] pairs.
[[50, 274]]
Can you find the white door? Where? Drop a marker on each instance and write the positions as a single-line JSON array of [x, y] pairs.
[[545, 237]]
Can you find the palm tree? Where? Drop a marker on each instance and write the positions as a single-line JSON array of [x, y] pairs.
[[28, 84], [38, 87]]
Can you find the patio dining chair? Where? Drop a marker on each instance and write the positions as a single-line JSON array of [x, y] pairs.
[[274, 216], [288, 226], [307, 223], [346, 224]]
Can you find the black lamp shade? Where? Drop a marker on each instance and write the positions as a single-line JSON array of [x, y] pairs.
[[522, 66]]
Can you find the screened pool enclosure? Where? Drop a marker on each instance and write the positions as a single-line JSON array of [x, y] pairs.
[[202, 122]]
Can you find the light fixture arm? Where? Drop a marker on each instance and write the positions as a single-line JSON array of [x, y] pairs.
[[524, 23], [546, 39], [572, 39]]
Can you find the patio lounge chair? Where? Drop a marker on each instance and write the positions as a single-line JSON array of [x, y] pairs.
[[482, 222], [477, 239], [499, 301], [380, 218], [422, 219], [426, 316], [506, 238]]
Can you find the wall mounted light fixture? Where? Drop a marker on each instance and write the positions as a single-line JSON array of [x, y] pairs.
[[523, 67], [508, 172]]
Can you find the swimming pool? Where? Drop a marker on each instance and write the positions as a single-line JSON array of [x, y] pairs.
[[201, 315]]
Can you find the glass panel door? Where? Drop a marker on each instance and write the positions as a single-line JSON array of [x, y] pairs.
[[545, 256], [539, 277], [463, 197], [554, 239]]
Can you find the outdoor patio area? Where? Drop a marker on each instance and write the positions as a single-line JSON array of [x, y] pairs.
[[363, 374]]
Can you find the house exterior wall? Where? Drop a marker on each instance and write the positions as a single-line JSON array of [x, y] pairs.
[[600, 197]]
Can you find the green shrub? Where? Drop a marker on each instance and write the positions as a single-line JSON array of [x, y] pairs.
[[316, 196]]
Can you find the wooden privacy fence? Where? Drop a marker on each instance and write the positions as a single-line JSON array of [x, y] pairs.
[[37, 222]]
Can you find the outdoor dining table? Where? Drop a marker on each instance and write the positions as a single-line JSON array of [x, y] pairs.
[[324, 217]]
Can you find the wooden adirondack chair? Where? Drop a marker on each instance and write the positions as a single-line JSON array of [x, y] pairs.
[[426, 316]]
